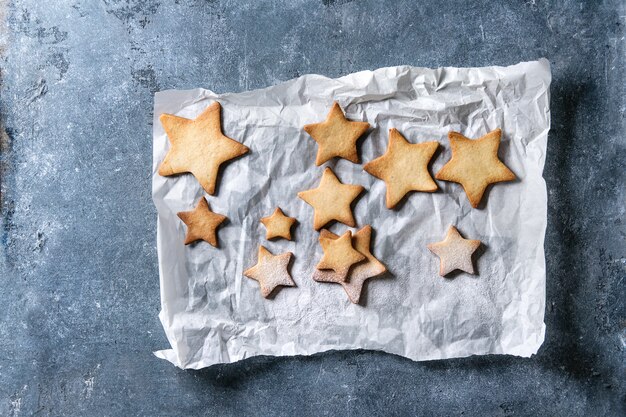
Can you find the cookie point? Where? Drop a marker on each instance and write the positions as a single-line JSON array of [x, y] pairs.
[[497, 131], [454, 135], [209, 190], [162, 170]]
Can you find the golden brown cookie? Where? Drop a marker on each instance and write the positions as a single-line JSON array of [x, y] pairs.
[[198, 146], [404, 167], [201, 223], [359, 273], [454, 252], [475, 164], [331, 200], [278, 225], [339, 255], [271, 271], [336, 136]]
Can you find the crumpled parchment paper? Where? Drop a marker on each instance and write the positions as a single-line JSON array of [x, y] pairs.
[[212, 314]]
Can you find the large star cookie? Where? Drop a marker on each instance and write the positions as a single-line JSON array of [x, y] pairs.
[[198, 146], [339, 255], [278, 225], [331, 200], [475, 164], [201, 223], [336, 136], [359, 273], [271, 271], [404, 167], [454, 252]]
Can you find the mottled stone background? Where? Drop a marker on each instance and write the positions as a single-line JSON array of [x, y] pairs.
[[79, 293]]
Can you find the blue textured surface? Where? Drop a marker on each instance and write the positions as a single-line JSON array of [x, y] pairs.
[[79, 289]]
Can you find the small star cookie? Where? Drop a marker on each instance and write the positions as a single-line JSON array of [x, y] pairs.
[[278, 225], [198, 146], [454, 252], [331, 200], [336, 136], [353, 283], [271, 271], [475, 164], [201, 223], [339, 255], [404, 167]]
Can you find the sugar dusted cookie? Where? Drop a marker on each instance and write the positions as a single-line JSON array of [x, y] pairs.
[[198, 146], [328, 275], [271, 271], [454, 252], [201, 223], [359, 273], [339, 255], [336, 136], [475, 164], [404, 167], [331, 200], [278, 225]]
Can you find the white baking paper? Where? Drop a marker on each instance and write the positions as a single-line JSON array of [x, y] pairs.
[[212, 313]]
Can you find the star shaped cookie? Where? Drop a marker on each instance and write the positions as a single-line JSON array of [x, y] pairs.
[[271, 271], [201, 223], [339, 255], [198, 146], [336, 136], [475, 164], [359, 273], [454, 252], [278, 225], [404, 167], [331, 200]]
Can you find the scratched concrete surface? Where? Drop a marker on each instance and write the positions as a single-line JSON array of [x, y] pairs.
[[79, 291]]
